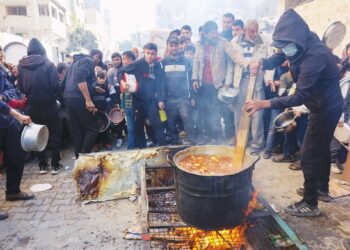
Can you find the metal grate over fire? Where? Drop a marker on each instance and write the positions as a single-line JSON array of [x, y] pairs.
[[163, 229]]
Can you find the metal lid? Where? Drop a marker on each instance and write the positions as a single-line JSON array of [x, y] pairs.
[[334, 35]]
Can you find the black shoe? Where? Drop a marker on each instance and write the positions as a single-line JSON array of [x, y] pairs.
[[56, 169], [267, 154], [43, 168], [21, 196], [284, 159], [3, 215], [321, 196], [254, 151], [302, 209]]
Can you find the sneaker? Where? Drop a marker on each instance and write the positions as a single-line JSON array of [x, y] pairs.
[[267, 154], [284, 159], [335, 169], [295, 166], [321, 196], [108, 146], [3, 215], [254, 151], [56, 169], [43, 168], [119, 143], [21, 196], [302, 209]]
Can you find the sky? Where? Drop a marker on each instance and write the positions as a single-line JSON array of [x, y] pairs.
[[130, 15]]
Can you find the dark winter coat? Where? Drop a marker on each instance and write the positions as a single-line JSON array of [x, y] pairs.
[[313, 69], [37, 76], [82, 70]]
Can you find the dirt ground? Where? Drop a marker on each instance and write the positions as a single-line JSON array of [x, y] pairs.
[[55, 220]]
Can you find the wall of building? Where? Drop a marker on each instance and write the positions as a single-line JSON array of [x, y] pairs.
[[319, 14]]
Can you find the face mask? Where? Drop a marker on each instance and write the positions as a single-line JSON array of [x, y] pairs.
[[290, 50]]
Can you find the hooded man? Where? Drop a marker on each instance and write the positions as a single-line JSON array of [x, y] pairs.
[[38, 80], [81, 109], [314, 70]]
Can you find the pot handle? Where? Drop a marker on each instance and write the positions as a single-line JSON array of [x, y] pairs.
[[257, 159], [171, 159]]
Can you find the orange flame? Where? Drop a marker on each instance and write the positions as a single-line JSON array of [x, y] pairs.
[[198, 239]]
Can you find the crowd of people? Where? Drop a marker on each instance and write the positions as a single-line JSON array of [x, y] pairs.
[[176, 101]]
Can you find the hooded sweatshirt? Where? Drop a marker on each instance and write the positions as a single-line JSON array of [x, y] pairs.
[[82, 70], [313, 68], [37, 76]]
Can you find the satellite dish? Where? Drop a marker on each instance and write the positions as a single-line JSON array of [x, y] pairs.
[[334, 35]]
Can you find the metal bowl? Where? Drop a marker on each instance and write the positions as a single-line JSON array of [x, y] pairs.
[[285, 122], [227, 95], [103, 121], [116, 116], [34, 137]]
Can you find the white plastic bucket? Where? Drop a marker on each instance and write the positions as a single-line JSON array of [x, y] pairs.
[[342, 134]]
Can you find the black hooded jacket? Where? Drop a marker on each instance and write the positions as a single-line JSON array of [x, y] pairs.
[[37, 76], [313, 68], [82, 70]]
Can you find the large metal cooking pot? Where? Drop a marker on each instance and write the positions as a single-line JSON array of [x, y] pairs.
[[285, 122], [34, 137], [116, 116], [213, 202]]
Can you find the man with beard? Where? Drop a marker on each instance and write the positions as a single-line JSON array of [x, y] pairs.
[[315, 72]]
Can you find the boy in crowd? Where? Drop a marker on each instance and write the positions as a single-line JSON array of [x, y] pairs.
[[183, 42], [127, 103], [186, 30], [149, 97], [237, 28], [177, 91], [190, 50]]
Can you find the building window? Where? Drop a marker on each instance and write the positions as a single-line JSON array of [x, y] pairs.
[[53, 12], [43, 10], [16, 10], [61, 17]]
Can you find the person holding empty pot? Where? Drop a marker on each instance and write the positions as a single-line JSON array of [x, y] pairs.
[[10, 143], [315, 72], [38, 80]]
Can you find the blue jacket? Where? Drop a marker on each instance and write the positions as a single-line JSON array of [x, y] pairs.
[[5, 118], [7, 90]]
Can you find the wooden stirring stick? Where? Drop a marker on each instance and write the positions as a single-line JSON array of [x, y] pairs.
[[244, 128]]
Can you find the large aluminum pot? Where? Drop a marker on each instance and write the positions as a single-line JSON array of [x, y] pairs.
[[213, 202], [34, 137]]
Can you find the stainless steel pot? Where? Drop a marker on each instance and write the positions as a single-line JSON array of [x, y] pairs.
[[285, 122], [34, 137], [227, 95]]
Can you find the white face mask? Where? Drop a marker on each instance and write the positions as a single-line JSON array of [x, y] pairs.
[[290, 50]]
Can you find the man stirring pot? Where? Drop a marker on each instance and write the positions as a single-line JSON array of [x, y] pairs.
[[317, 77]]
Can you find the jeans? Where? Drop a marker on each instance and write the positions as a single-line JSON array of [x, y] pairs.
[[209, 111], [130, 119], [228, 118], [182, 110], [10, 143], [257, 127], [315, 153], [83, 125], [270, 140], [48, 115], [150, 110]]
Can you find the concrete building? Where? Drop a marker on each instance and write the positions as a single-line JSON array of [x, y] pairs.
[[320, 14], [76, 14], [44, 19], [98, 21]]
